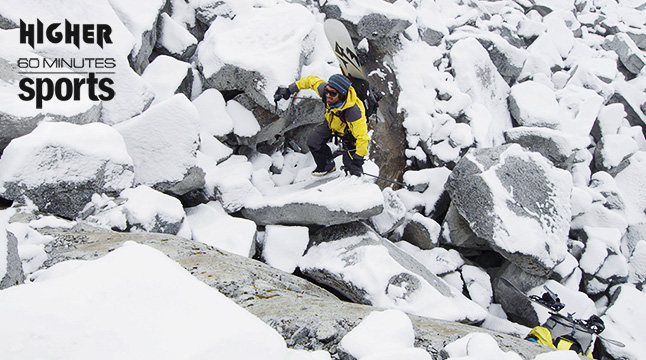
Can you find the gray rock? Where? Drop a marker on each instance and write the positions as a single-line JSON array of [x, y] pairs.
[[456, 232], [375, 26], [13, 274], [554, 145], [421, 231], [629, 54], [497, 188], [318, 205], [634, 234], [398, 282], [517, 307], [207, 11], [430, 36], [639, 37], [507, 58]]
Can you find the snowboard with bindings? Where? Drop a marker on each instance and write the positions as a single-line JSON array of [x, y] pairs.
[[551, 301]]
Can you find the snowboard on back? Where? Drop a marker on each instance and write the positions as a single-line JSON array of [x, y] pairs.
[[343, 48], [346, 53]]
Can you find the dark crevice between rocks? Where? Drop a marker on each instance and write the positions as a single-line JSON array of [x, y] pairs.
[[5, 203]]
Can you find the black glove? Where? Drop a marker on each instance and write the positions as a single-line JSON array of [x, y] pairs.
[[356, 165], [596, 324], [282, 93]]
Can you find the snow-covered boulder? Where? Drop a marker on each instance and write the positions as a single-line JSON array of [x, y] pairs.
[[228, 55], [517, 201], [629, 54], [141, 20], [507, 57], [534, 104], [428, 196], [379, 333], [214, 117], [174, 39], [601, 204], [421, 231], [611, 150], [144, 283], [11, 272], [560, 148], [59, 166], [152, 211], [477, 76], [602, 262], [283, 246], [393, 214], [140, 209], [633, 100], [338, 201], [368, 269], [211, 225], [623, 319], [630, 179], [163, 143], [168, 76]]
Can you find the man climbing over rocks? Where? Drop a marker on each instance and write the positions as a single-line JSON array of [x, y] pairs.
[[345, 117]]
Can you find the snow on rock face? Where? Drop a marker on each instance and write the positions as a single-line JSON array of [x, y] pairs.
[[555, 145], [58, 166], [624, 318], [601, 261], [368, 269], [379, 332], [228, 55], [283, 246], [213, 226], [141, 20], [476, 75], [151, 211], [168, 76], [145, 283], [534, 104], [163, 143], [630, 179], [173, 39], [516, 201]]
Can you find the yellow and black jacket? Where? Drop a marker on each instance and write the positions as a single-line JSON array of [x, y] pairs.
[[350, 117]]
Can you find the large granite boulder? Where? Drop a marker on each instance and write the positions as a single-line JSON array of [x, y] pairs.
[[517, 201], [59, 166]]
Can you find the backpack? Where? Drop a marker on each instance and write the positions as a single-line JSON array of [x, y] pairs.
[[368, 94]]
